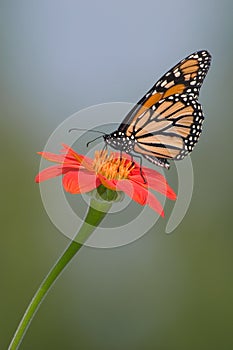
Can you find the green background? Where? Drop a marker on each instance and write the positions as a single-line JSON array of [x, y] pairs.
[[166, 292]]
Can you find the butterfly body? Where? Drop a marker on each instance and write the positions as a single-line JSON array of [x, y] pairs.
[[167, 122], [120, 141]]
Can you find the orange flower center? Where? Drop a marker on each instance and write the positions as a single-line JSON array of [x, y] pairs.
[[112, 167]]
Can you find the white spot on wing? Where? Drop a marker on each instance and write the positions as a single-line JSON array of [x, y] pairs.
[[177, 74], [164, 83]]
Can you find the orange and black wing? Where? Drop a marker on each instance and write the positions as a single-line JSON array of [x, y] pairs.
[[167, 121], [170, 130]]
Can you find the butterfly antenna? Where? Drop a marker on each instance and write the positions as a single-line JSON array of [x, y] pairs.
[[88, 143], [99, 132]]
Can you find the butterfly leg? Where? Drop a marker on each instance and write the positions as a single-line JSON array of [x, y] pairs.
[[120, 161], [144, 179], [132, 161], [140, 162], [104, 148]]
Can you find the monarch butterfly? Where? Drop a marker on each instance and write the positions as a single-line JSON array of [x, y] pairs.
[[167, 122]]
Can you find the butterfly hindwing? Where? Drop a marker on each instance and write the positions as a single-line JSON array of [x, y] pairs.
[[170, 130]]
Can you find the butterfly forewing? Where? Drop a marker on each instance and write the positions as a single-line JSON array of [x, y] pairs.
[[185, 77], [166, 123]]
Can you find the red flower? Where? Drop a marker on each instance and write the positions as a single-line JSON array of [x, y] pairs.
[[82, 174]]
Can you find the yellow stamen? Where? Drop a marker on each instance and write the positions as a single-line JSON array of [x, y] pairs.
[[112, 167]]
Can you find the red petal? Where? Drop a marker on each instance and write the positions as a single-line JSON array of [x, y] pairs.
[[60, 158], [50, 172], [70, 154], [155, 180], [134, 190], [52, 157], [111, 184], [140, 195], [80, 182], [163, 188], [68, 157], [152, 173]]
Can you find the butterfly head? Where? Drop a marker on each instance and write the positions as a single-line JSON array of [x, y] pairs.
[[119, 141]]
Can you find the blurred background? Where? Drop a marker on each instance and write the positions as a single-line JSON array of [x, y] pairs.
[[164, 292]]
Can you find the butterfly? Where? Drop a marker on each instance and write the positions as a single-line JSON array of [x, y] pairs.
[[167, 122]]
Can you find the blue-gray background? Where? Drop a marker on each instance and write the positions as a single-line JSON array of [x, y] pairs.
[[161, 292]]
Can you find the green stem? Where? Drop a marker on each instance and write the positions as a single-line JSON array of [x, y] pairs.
[[95, 215]]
